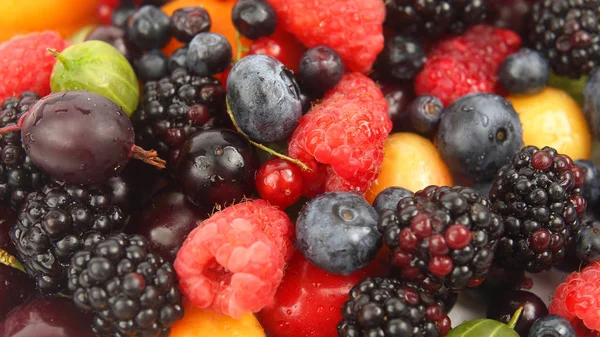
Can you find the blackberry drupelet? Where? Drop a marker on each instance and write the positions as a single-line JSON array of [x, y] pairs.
[[538, 195], [442, 237], [385, 307], [434, 18], [174, 108], [567, 32], [52, 224], [131, 290], [18, 175]]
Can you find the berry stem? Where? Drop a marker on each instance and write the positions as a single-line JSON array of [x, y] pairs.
[[303, 166], [515, 318], [11, 261], [149, 157], [240, 48], [65, 62]]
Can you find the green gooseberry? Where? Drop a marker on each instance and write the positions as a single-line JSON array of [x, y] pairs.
[[485, 327]]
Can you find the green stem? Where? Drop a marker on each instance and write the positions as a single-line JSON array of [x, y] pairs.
[[65, 62], [262, 147], [11, 261], [240, 48], [513, 321]]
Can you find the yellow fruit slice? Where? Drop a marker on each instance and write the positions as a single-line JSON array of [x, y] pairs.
[[411, 162], [552, 118], [204, 323]]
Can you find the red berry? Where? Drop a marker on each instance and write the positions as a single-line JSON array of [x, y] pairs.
[[408, 240], [26, 65], [468, 63], [440, 265], [402, 259], [542, 161], [333, 24], [444, 325], [268, 46], [540, 240], [579, 202], [421, 226], [434, 312], [342, 138], [243, 247], [579, 175], [437, 245], [279, 182], [457, 236], [562, 162]]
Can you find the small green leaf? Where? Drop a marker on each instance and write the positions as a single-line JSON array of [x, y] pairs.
[[573, 87], [482, 328], [97, 67]]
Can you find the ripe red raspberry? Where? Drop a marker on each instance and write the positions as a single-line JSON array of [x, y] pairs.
[[342, 138], [578, 300], [469, 63], [233, 262], [333, 24], [26, 65]]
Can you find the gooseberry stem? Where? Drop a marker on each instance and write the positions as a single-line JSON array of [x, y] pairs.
[[515, 318], [303, 166], [240, 48], [11, 261], [148, 156], [65, 62]]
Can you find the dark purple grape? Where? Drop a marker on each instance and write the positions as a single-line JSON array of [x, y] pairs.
[[398, 97], [47, 317], [505, 305], [216, 167], [79, 137], [187, 22], [115, 36], [15, 288], [8, 217], [137, 184], [166, 221], [497, 282]]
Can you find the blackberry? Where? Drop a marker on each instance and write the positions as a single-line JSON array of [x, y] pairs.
[[18, 175], [52, 224], [442, 237], [538, 195], [386, 307], [131, 290], [567, 32], [434, 18], [174, 108]]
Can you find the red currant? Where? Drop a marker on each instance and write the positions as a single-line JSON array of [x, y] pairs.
[[268, 46], [279, 182]]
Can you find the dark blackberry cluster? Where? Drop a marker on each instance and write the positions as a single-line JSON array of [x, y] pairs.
[[538, 195], [442, 237], [567, 32], [385, 307], [52, 224], [18, 175], [131, 290], [434, 18], [174, 108]]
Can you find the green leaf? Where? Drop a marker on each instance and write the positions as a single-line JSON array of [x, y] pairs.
[[97, 67], [482, 328], [573, 87]]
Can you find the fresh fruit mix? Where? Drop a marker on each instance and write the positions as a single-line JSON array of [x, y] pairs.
[[305, 168]]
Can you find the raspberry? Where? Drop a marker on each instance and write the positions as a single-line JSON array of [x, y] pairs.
[[26, 65], [233, 263], [465, 64], [578, 300], [342, 138], [332, 24]]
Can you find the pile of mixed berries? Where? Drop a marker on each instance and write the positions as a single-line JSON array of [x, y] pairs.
[[302, 168]]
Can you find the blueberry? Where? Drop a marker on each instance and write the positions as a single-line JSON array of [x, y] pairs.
[[478, 134], [321, 68], [264, 98], [178, 59], [389, 197], [552, 326], [254, 18], [591, 185], [591, 102], [587, 243], [402, 58], [188, 22], [151, 66], [524, 72], [424, 114], [337, 232], [120, 16], [208, 54], [148, 28]]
